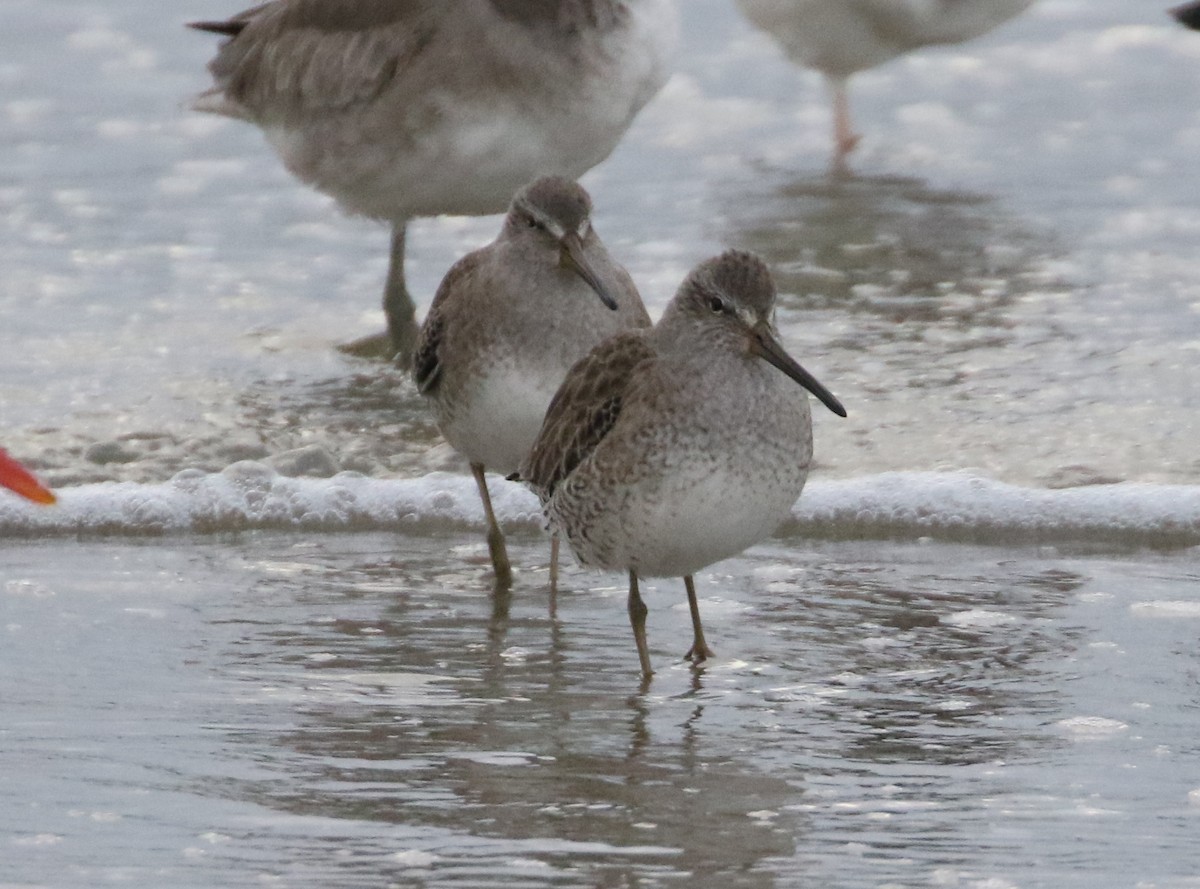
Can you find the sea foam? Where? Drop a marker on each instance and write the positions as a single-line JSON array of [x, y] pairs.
[[897, 505]]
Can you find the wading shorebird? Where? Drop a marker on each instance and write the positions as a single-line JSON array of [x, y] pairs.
[[669, 449], [842, 37], [401, 109], [508, 322]]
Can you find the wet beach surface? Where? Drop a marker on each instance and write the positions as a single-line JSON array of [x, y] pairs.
[[353, 712]]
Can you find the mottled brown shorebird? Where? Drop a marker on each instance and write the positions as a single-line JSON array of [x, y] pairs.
[[508, 322], [402, 109], [669, 449], [842, 37]]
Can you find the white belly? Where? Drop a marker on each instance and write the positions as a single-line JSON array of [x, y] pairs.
[[840, 37], [697, 514], [465, 145], [682, 483], [713, 519], [498, 420]]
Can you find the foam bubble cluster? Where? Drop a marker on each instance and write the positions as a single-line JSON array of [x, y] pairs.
[[947, 506], [965, 507]]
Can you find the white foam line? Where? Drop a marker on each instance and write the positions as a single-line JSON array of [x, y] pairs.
[[948, 506], [961, 506]]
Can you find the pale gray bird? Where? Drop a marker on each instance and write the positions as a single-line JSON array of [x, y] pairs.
[[401, 109], [669, 449], [841, 37], [509, 321]]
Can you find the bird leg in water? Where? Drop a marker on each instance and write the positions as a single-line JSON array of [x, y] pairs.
[[637, 619], [495, 537], [553, 574], [699, 650], [398, 305], [400, 339], [845, 140]]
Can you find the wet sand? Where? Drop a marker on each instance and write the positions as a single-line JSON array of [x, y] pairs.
[[351, 711]]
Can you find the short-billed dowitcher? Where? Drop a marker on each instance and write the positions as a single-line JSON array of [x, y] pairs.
[[669, 449], [508, 322]]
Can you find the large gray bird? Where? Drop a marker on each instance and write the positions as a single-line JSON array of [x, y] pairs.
[[401, 109]]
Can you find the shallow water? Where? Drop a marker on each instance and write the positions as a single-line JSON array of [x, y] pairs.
[[968, 660], [1012, 275], [353, 711]]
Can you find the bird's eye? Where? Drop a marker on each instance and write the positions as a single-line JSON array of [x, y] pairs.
[[716, 304], [533, 223]]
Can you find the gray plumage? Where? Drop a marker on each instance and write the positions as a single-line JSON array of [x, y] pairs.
[[670, 449], [510, 319], [408, 108], [842, 37]]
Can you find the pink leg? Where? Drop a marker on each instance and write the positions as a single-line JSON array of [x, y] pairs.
[[845, 140]]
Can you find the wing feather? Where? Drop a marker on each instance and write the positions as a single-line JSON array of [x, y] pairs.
[[427, 365], [584, 409], [292, 58]]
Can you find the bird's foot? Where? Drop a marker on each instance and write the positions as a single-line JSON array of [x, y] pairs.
[[376, 347], [839, 168], [699, 653]]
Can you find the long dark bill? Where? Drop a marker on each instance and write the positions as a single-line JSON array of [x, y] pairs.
[[573, 259], [767, 347]]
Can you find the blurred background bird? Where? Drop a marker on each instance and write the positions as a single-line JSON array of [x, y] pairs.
[[401, 109], [839, 38], [1187, 14]]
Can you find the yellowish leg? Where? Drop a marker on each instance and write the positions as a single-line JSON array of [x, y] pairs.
[[637, 619], [553, 574], [399, 341], [699, 650], [495, 537], [398, 306]]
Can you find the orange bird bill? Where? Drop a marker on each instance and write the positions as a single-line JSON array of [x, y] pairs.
[[17, 478]]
